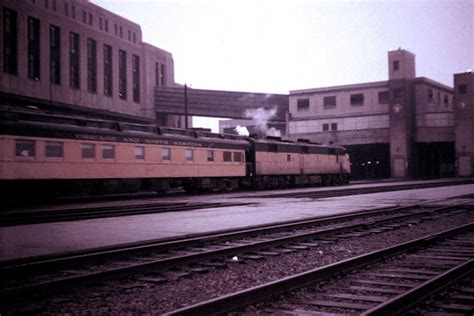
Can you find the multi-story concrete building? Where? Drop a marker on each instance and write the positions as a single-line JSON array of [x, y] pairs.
[[71, 54], [401, 127]]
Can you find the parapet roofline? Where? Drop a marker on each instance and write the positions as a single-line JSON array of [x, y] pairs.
[[433, 83], [357, 86]]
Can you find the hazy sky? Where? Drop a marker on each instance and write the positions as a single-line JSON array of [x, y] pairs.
[[275, 46]]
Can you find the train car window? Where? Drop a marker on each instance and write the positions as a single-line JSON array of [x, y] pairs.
[[288, 157], [139, 152], [166, 153], [108, 151], [54, 149], [25, 148], [88, 150], [210, 155], [238, 156], [227, 156], [189, 154]]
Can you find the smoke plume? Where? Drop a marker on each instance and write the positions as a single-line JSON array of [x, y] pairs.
[[260, 118], [242, 130]]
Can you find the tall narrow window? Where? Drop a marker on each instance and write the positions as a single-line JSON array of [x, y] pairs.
[[10, 41], [122, 74], [136, 78], [162, 75], [91, 65], [107, 70], [157, 74], [55, 54], [74, 74], [33, 48]]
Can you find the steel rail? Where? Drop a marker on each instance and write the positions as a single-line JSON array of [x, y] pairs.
[[405, 301], [366, 190], [233, 301], [192, 258], [49, 216]]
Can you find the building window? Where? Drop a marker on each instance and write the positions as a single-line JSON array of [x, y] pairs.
[[100, 24], [329, 102], [66, 9], [55, 54], [159, 74], [115, 29], [288, 157], [91, 65], [106, 25], [87, 150], [74, 69], [46, 4], [122, 74], [462, 89], [227, 156], [396, 65], [397, 93], [108, 151], [166, 153], [120, 32], [139, 152], [84, 16], [446, 100], [430, 94], [90, 19], [33, 48], [54, 149], [383, 97], [10, 41], [25, 148], [357, 99], [136, 78], [129, 35], [238, 156], [333, 126], [189, 154], [210, 155], [326, 127], [134, 37], [107, 70], [54, 5], [302, 104], [73, 12]]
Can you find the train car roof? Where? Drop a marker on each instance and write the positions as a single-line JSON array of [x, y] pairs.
[[119, 132]]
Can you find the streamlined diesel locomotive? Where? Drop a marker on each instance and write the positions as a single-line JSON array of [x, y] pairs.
[[46, 155]]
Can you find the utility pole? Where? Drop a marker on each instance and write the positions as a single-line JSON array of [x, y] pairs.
[[185, 106]]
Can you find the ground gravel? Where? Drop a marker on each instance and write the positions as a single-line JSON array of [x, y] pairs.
[[132, 296]]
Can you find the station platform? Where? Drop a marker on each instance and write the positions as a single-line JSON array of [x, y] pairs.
[[53, 238]]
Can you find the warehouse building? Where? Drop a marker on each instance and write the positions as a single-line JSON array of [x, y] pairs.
[[406, 126]]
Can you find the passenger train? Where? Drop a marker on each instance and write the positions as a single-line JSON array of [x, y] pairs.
[[51, 155]]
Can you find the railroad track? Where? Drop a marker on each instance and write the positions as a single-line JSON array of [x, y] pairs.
[[14, 218], [385, 282], [164, 260], [367, 190]]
